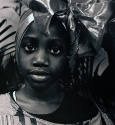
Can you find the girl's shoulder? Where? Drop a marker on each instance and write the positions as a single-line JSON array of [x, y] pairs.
[[5, 104]]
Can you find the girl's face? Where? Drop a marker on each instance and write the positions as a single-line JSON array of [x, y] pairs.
[[42, 56]]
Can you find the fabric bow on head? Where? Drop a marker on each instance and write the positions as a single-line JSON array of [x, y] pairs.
[[88, 16], [83, 19]]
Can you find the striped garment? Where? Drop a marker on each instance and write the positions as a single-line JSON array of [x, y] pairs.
[[12, 114]]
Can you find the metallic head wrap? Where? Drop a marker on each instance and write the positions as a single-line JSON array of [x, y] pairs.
[[84, 20], [92, 14], [77, 16], [25, 21]]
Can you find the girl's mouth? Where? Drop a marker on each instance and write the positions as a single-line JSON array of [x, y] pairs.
[[39, 78], [39, 75]]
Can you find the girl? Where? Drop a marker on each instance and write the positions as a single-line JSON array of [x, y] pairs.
[[46, 46]]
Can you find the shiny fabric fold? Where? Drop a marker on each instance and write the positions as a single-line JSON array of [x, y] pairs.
[[84, 21], [92, 16]]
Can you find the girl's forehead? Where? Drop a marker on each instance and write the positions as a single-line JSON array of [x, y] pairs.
[[53, 30], [56, 36]]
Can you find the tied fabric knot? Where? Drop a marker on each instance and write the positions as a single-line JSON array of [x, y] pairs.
[[93, 14], [84, 20]]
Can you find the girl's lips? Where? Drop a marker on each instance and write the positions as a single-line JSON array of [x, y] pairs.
[[39, 75], [39, 72], [39, 78]]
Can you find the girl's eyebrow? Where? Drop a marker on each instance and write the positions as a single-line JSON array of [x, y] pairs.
[[50, 41], [27, 39]]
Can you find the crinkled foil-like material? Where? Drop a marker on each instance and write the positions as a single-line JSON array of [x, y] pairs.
[[93, 14]]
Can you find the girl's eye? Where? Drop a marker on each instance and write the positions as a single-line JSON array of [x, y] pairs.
[[30, 47], [56, 51]]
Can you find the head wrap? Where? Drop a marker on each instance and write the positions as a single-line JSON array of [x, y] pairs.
[[84, 20], [25, 21], [92, 14], [78, 16], [86, 17]]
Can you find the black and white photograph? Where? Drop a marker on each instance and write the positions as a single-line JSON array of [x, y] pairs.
[[57, 62]]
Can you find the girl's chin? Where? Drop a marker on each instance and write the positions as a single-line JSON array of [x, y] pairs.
[[39, 86], [41, 83]]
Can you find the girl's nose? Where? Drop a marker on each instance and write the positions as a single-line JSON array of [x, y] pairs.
[[40, 59]]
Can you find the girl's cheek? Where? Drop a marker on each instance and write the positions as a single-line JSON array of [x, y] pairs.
[[58, 65]]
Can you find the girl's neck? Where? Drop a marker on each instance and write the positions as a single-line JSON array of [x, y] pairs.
[[47, 101], [47, 94]]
